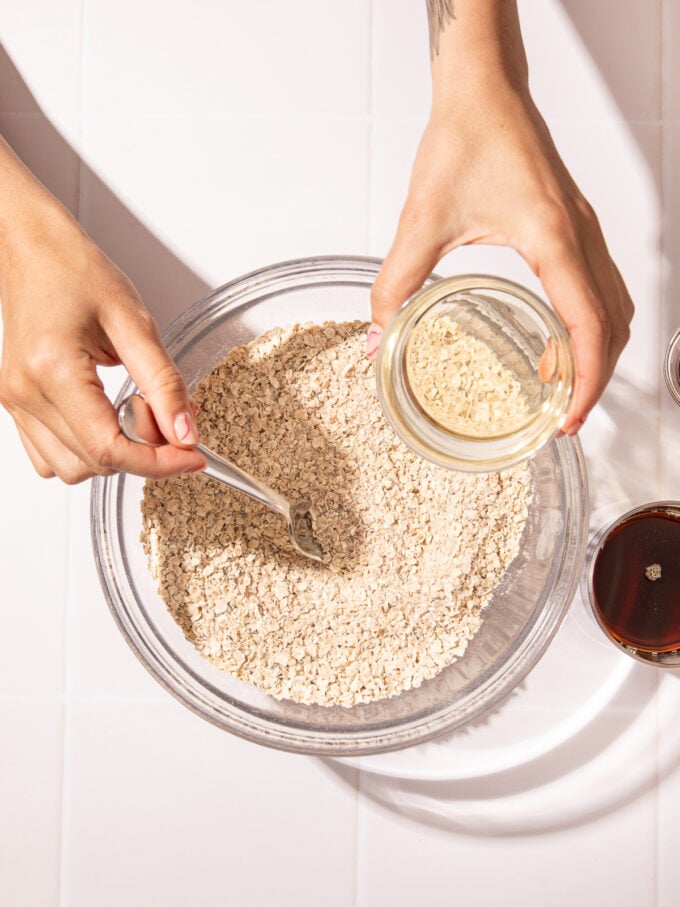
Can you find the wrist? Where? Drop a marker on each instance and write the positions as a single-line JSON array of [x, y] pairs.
[[478, 55], [486, 104], [30, 216], [42, 231]]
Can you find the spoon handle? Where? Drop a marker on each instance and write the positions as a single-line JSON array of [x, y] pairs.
[[137, 423], [223, 471]]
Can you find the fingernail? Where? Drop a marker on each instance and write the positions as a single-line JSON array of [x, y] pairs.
[[185, 429], [195, 408], [373, 340], [547, 364], [575, 428]]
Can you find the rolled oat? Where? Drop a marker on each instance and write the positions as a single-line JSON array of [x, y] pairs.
[[413, 551], [460, 382]]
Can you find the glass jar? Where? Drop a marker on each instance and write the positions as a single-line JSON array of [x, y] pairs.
[[671, 368], [630, 581], [475, 373]]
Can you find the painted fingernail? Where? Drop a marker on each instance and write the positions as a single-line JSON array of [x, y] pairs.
[[185, 429], [547, 364], [373, 340], [579, 423]]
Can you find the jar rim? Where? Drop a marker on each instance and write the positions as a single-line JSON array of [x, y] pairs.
[[672, 367], [444, 446]]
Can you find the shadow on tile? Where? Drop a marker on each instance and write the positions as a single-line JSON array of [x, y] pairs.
[[167, 286], [612, 33], [511, 786], [609, 31], [610, 762], [599, 770]]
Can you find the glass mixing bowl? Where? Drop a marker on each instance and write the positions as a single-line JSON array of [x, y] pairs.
[[518, 624]]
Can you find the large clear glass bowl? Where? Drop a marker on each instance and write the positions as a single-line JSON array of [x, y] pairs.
[[518, 624]]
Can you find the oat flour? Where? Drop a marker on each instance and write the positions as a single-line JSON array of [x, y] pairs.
[[460, 382]]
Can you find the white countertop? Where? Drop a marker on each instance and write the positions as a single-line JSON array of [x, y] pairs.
[[197, 142]]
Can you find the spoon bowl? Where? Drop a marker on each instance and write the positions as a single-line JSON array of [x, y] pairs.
[[137, 423]]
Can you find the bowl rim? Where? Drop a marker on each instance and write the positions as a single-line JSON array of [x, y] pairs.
[[265, 729]]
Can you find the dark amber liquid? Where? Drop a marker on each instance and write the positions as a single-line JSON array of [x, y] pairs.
[[637, 611]]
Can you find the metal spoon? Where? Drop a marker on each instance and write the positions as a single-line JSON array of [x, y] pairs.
[[138, 424]]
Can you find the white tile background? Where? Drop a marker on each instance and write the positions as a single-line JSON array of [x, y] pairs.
[[197, 141]]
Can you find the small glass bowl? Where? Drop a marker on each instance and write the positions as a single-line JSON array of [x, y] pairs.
[[671, 368], [525, 337], [519, 623], [661, 655]]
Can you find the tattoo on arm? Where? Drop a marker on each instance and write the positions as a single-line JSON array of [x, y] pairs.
[[439, 14]]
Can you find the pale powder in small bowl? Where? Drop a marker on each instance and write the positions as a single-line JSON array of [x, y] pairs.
[[460, 382]]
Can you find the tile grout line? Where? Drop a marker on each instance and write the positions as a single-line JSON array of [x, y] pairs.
[[316, 117], [371, 127], [663, 270], [371, 251], [64, 701], [359, 831], [660, 462], [657, 799], [663, 283], [89, 699], [68, 609], [80, 111], [68, 699], [663, 287]]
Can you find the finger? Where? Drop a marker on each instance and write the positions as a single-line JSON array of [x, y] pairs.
[[160, 382], [557, 259], [84, 420], [612, 290], [615, 311], [621, 328], [406, 267], [111, 449], [547, 364], [575, 297], [48, 454], [39, 463]]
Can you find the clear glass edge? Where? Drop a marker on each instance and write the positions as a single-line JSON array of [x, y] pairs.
[[671, 370], [445, 449], [661, 659], [104, 495]]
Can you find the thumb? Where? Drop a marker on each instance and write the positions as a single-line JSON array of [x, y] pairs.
[[405, 269], [158, 379]]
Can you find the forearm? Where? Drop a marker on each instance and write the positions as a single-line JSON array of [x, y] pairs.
[[29, 213], [476, 48]]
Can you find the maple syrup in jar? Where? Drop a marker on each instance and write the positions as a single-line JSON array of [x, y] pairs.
[[634, 582]]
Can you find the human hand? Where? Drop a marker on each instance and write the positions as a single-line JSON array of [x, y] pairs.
[[491, 174], [66, 310]]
